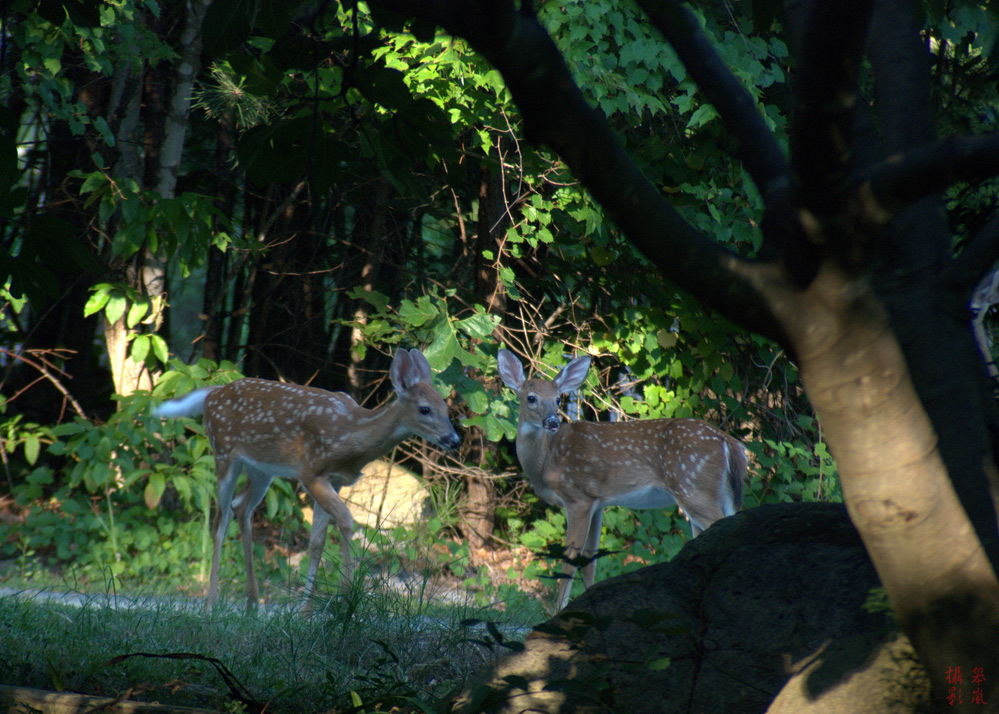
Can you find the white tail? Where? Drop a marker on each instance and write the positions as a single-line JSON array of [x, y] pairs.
[[585, 466], [320, 438]]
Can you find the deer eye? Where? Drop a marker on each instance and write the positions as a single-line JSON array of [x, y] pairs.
[[531, 399], [425, 411]]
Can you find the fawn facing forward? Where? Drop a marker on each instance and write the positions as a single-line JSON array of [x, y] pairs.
[[321, 439], [585, 466]]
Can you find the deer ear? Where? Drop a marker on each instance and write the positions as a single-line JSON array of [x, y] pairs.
[[421, 366], [572, 375], [511, 371], [408, 368]]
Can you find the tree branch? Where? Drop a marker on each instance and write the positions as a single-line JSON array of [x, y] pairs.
[[45, 368], [825, 101], [783, 234], [926, 170], [917, 243], [977, 258]]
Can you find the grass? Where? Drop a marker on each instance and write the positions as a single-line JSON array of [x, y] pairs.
[[372, 644]]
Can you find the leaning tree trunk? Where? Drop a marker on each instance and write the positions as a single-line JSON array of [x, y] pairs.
[[895, 485]]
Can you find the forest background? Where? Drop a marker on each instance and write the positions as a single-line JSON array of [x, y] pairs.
[[192, 193]]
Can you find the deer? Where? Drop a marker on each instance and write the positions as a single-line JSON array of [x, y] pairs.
[[319, 438], [584, 467]]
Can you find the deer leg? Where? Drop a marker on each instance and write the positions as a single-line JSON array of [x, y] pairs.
[[330, 502], [577, 525], [702, 515], [697, 523], [317, 542], [226, 471], [589, 571], [245, 504]]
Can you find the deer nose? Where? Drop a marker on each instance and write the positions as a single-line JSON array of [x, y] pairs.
[[551, 422], [452, 441]]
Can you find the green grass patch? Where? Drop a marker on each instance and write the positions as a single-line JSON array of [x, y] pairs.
[[373, 643]]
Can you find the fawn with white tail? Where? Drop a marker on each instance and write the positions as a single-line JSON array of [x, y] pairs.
[[586, 466], [321, 439]]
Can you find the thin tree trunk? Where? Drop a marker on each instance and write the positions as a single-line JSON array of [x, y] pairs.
[[491, 223], [376, 238], [149, 276], [216, 273]]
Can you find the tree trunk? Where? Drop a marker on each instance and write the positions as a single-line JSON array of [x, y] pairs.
[[216, 273], [147, 274], [128, 375], [492, 222], [858, 382], [372, 242], [479, 518]]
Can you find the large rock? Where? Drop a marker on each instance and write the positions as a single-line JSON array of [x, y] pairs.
[[386, 495], [769, 593]]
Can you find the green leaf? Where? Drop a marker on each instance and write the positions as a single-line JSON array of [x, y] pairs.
[[97, 301], [115, 307], [701, 116], [102, 126], [103, 449], [140, 348], [602, 256], [478, 401], [443, 350], [154, 489], [271, 502], [129, 238], [32, 445], [160, 348], [97, 476], [136, 312], [374, 298], [419, 313], [383, 85], [480, 325]]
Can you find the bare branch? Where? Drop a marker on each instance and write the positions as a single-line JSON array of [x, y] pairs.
[[39, 361], [926, 170]]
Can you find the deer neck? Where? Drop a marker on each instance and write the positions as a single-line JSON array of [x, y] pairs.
[[534, 447], [380, 430]]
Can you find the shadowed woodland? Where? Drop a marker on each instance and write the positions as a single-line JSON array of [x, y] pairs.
[[771, 218]]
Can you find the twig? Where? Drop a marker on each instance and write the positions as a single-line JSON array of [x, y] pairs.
[[44, 368], [236, 689]]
